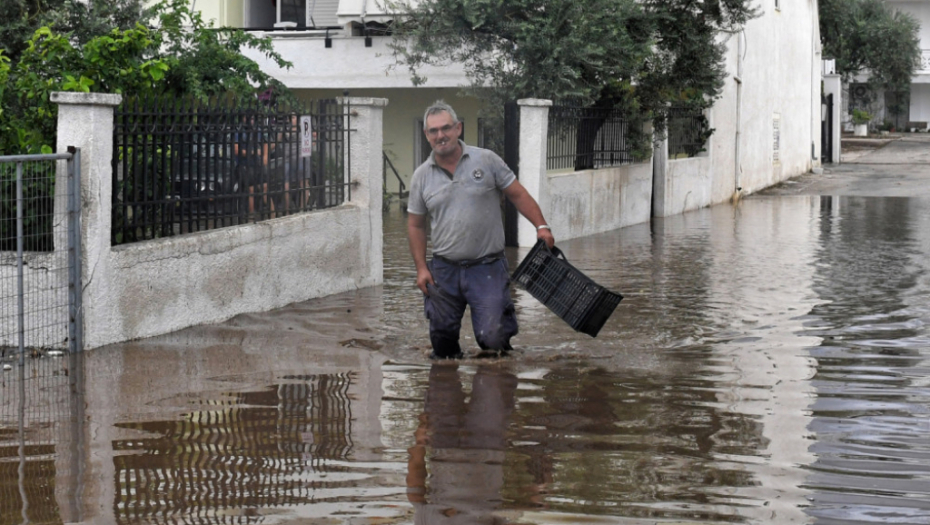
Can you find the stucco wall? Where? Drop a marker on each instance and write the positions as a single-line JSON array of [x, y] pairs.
[[160, 286], [583, 203], [773, 74], [690, 182]]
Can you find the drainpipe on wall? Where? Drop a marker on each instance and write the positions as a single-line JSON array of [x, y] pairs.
[[739, 106]]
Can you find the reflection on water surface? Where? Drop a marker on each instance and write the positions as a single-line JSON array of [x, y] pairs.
[[768, 364]]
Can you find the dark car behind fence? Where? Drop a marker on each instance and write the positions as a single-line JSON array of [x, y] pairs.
[[181, 166]]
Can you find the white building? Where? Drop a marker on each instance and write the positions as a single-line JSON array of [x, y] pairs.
[[767, 121], [916, 114]]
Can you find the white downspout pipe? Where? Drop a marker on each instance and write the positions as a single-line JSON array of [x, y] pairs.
[[737, 168]]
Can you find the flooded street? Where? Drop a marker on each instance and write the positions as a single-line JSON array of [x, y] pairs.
[[770, 363]]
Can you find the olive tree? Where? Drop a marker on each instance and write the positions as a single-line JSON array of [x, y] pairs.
[[638, 56], [868, 37]]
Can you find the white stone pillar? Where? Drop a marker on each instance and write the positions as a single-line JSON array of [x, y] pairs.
[[85, 120], [832, 84], [366, 117], [534, 132]]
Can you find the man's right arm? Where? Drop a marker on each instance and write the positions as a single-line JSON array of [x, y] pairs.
[[416, 234]]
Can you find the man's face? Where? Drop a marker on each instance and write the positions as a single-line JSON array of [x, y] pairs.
[[442, 134]]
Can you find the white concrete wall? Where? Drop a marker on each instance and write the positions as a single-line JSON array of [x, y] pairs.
[[586, 202], [687, 185], [773, 74], [159, 286]]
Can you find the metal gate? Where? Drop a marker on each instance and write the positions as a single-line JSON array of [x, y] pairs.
[[40, 255], [826, 128], [40, 332]]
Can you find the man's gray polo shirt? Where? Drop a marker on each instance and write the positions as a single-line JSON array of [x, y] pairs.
[[465, 210]]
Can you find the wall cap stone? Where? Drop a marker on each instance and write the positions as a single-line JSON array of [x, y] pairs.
[[85, 99], [534, 102]]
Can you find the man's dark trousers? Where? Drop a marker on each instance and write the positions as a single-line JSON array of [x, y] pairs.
[[484, 286]]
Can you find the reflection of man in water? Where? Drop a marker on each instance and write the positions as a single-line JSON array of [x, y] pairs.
[[466, 444]]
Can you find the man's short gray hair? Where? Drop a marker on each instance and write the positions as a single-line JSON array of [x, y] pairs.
[[438, 107]]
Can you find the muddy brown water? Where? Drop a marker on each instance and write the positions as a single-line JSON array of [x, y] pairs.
[[769, 364]]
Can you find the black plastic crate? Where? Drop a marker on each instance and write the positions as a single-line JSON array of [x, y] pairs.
[[570, 294]]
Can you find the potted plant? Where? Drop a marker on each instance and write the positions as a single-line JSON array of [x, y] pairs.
[[860, 120]]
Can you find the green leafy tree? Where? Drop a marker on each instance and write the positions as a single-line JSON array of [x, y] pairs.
[[637, 56], [180, 56], [82, 19], [869, 37]]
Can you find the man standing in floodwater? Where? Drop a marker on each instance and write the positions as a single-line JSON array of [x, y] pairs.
[[460, 188]]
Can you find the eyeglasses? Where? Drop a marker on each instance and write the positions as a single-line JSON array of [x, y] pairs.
[[432, 132]]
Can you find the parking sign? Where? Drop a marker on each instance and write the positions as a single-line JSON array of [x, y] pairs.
[[306, 136]]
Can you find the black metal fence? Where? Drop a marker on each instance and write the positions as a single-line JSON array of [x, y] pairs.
[[582, 138], [182, 166], [687, 132]]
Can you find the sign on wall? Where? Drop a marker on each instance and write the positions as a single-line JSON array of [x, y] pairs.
[[306, 136]]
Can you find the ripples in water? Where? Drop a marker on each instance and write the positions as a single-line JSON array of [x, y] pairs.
[[769, 364]]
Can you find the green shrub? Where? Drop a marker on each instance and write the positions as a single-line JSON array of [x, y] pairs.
[[860, 116]]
